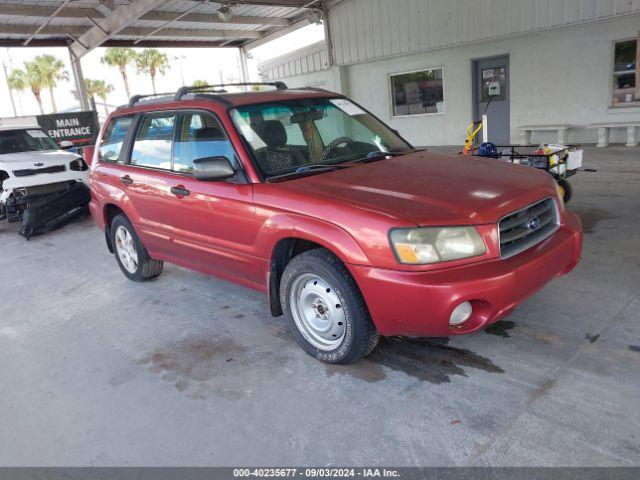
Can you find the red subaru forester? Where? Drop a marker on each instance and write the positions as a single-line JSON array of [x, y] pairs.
[[306, 196]]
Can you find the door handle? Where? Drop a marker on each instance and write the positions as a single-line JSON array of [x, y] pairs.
[[180, 191], [126, 180]]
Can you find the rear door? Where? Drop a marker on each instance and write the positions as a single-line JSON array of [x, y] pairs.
[[147, 178]]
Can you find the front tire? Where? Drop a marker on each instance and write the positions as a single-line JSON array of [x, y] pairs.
[[325, 310], [131, 256]]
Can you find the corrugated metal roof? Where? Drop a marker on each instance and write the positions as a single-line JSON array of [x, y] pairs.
[[251, 19]]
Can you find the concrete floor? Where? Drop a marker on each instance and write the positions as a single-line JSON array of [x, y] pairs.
[[190, 370]]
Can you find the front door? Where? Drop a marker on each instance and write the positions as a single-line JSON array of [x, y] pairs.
[[491, 95], [214, 226]]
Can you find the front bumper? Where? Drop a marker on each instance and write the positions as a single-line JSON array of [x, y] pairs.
[[420, 303]]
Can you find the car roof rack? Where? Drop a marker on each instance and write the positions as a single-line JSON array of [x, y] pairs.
[[137, 98], [219, 88], [211, 89]]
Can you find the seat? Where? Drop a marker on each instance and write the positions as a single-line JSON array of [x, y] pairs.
[[277, 156], [208, 134], [210, 142]]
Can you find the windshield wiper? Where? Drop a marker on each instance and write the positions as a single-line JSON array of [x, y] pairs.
[[307, 169], [321, 166], [379, 155]]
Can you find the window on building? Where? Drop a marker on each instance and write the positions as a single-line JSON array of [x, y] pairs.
[[152, 146], [417, 93], [625, 73], [113, 139], [200, 136]]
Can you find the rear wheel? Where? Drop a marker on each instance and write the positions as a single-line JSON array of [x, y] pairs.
[[325, 309], [133, 259], [565, 189]]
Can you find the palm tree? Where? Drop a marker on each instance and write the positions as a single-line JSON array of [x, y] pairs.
[[199, 83], [100, 89], [120, 57], [52, 71], [152, 62], [29, 78]]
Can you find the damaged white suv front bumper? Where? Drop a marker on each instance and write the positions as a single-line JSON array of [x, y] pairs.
[[30, 176]]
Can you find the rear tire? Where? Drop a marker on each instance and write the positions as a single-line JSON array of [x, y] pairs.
[[131, 256], [325, 310]]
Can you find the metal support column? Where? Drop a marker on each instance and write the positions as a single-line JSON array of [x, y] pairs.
[[244, 67], [78, 78], [328, 42]]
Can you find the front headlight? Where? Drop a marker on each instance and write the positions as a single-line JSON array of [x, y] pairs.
[[420, 246], [78, 165]]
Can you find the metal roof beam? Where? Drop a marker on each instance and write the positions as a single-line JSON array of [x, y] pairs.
[[21, 10], [46, 21], [68, 30], [156, 43], [155, 15], [114, 22], [281, 32], [267, 3], [295, 24], [213, 18]]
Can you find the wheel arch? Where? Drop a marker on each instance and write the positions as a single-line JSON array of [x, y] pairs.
[[298, 234], [109, 212]]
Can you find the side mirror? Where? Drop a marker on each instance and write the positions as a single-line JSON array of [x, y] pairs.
[[66, 144], [212, 169]]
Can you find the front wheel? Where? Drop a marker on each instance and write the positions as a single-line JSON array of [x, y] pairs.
[[325, 309], [133, 259]]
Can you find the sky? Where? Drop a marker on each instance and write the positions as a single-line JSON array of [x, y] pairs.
[[187, 65]]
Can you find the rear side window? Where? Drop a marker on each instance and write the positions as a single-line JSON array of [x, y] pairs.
[[154, 140], [113, 139], [200, 135]]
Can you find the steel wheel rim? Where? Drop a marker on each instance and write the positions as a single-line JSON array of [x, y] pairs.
[[317, 311], [126, 249]]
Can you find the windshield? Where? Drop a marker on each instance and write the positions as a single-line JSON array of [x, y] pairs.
[[293, 136], [32, 140]]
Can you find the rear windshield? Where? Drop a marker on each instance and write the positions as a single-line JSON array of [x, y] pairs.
[[31, 140]]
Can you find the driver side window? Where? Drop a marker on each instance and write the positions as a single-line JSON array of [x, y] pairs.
[[200, 135]]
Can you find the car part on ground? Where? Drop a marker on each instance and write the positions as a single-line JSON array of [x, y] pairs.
[[54, 210]]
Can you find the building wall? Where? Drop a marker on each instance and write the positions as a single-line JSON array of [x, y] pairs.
[[364, 30], [556, 76], [305, 61]]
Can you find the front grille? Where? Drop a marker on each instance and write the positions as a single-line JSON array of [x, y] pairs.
[[27, 172], [48, 189], [528, 227]]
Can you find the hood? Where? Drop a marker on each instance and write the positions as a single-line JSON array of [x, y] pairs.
[[49, 157], [427, 188]]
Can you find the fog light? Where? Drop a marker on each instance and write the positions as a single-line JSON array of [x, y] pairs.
[[460, 314]]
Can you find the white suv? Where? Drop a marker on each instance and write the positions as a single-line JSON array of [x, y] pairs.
[[32, 167]]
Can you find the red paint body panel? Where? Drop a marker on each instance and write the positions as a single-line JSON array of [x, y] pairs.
[[420, 303], [230, 230]]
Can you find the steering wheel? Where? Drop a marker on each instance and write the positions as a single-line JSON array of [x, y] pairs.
[[333, 145]]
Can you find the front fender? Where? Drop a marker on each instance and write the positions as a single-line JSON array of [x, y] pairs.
[[292, 225]]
